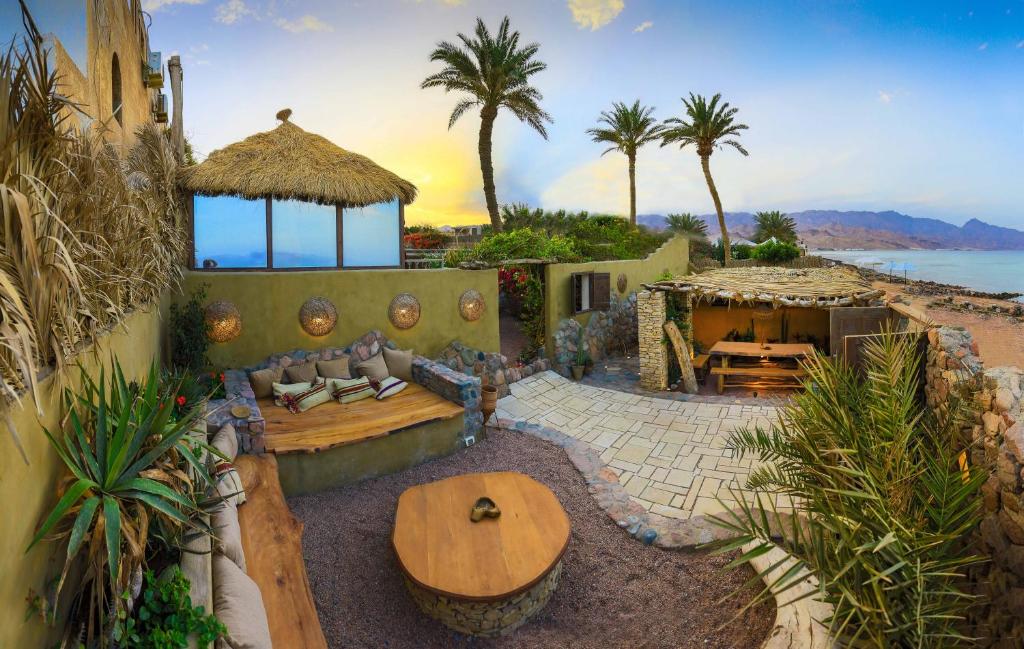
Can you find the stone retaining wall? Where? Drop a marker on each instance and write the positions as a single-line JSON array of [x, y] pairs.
[[492, 368], [605, 332]]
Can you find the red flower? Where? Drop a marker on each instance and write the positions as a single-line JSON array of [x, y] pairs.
[[180, 400], [222, 377]]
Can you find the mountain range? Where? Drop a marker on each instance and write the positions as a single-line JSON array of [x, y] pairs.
[[833, 229]]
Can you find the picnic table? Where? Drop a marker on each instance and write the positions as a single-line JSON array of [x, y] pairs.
[[769, 365]]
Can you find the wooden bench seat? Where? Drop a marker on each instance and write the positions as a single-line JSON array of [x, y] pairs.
[[334, 424], [272, 542], [783, 372], [768, 377], [700, 361]]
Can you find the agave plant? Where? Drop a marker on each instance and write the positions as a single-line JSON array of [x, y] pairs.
[[883, 507], [129, 461]]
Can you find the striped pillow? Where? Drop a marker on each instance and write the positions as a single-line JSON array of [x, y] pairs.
[[349, 390], [389, 386], [303, 401]]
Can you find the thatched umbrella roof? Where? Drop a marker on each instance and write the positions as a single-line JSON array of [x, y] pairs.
[[802, 287], [290, 163]]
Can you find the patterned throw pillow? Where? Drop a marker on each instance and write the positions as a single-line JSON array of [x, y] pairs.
[[349, 390], [281, 389], [228, 483], [316, 395], [390, 386]]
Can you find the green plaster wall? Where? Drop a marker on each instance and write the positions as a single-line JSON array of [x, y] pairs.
[[269, 303], [26, 491], [673, 256]]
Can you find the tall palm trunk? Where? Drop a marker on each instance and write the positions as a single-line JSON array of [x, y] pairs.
[[487, 117], [632, 189], [705, 164]]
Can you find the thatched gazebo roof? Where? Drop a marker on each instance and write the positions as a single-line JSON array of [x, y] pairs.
[[800, 287], [290, 163]]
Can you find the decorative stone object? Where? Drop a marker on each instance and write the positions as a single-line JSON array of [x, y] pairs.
[[223, 321], [621, 282], [318, 316], [471, 305], [404, 310]]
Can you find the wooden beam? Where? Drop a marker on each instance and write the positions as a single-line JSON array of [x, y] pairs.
[[339, 227], [401, 234], [270, 237]]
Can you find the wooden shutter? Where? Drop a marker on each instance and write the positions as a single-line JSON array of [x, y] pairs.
[[854, 321], [600, 291], [575, 282]]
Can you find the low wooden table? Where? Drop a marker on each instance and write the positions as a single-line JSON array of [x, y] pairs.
[[484, 578], [768, 374]]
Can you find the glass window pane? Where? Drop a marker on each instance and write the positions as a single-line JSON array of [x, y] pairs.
[[371, 235], [305, 234], [230, 232]]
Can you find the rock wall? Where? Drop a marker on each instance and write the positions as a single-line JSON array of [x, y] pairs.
[[994, 434], [605, 332], [492, 368], [650, 309]]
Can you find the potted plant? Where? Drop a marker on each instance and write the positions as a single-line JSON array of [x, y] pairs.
[[580, 364]]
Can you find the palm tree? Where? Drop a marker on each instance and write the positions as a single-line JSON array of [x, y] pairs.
[[494, 71], [627, 128], [774, 224], [707, 126], [687, 224]]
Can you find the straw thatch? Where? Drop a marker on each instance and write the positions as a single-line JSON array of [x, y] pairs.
[[290, 163], [801, 287]]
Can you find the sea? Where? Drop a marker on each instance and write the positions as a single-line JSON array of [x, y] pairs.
[[992, 271]]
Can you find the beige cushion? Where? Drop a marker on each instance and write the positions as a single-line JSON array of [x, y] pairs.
[[281, 389], [389, 387], [226, 441], [373, 368], [336, 369], [228, 483], [263, 381], [317, 394], [237, 603], [227, 533], [303, 373], [399, 363], [349, 390]]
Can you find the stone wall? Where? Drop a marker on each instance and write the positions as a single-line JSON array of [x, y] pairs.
[[650, 309], [605, 332], [492, 368], [994, 434]]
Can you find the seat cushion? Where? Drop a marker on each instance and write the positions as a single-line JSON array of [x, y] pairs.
[[227, 534], [399, 363], [263, 381], [373, 368], [336, 369], [226, 441], [238, 604], [227, 483], [302, 373]]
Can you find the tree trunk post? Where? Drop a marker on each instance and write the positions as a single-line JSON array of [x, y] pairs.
[[177, 126], [705, 164], [632, 190], [683, 357], [487, 117]]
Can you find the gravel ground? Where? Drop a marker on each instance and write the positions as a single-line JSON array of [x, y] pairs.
[[614, 591]]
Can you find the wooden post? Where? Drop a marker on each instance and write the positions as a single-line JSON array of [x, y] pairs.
[[683, 356], [177, 127]]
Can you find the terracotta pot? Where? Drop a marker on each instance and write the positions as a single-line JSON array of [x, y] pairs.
[[489, 400], [577, 371]]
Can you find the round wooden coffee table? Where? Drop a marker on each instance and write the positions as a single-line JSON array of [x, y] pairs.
[[484, 578]]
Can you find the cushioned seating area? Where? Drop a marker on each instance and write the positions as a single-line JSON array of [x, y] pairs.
[[272, 541], [334, 424]]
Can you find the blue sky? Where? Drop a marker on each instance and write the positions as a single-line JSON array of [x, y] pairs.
[[913, 106]]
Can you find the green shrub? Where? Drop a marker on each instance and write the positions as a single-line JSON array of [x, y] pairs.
[[188, 332], [885, 510], [775, 251], [739, 251], [522, 244], [164, 617]]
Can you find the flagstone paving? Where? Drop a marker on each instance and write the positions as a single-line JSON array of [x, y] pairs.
[[669, 455]]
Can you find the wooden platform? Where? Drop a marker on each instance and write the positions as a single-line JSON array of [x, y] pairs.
[[334, 424], [272, 542], [441, 550]]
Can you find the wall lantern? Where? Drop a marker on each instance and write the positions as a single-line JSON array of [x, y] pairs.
[[223, 321], [318, 316], [620, 282], [472, 305], [404, 310]]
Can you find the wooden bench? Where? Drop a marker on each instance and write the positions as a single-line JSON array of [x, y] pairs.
[[765, 376], [272, 542], [700, 365]]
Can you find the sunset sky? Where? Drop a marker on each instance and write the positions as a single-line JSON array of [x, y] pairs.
[[917, 107]]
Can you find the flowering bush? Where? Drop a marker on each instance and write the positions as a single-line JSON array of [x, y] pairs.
[[512, 280], [427, 240]]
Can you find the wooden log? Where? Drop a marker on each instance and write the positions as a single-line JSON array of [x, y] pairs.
[[683, 356]]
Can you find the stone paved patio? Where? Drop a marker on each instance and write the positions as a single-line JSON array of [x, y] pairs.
[[670, 455]]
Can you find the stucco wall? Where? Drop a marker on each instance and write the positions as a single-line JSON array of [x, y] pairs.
[[26, 491], [673, 256], [713, 323], [269, 303]]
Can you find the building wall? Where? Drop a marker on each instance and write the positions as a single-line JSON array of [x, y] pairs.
[[27, 491], [713, 323], [269, 303], [672, 257]]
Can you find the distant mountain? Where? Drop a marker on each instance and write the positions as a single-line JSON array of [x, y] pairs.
[[871, 230]]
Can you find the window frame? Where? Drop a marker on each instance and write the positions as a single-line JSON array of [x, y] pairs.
[[190, 204], [593, 281]]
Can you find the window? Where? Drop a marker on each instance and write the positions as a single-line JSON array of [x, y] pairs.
[[590, 292], [305, 235], [371, 235], [230, 232], [115, 91]]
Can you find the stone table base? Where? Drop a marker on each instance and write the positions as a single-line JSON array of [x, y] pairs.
[[487, 618]]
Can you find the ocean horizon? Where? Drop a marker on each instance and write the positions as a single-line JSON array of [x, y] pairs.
[[992, 271]]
